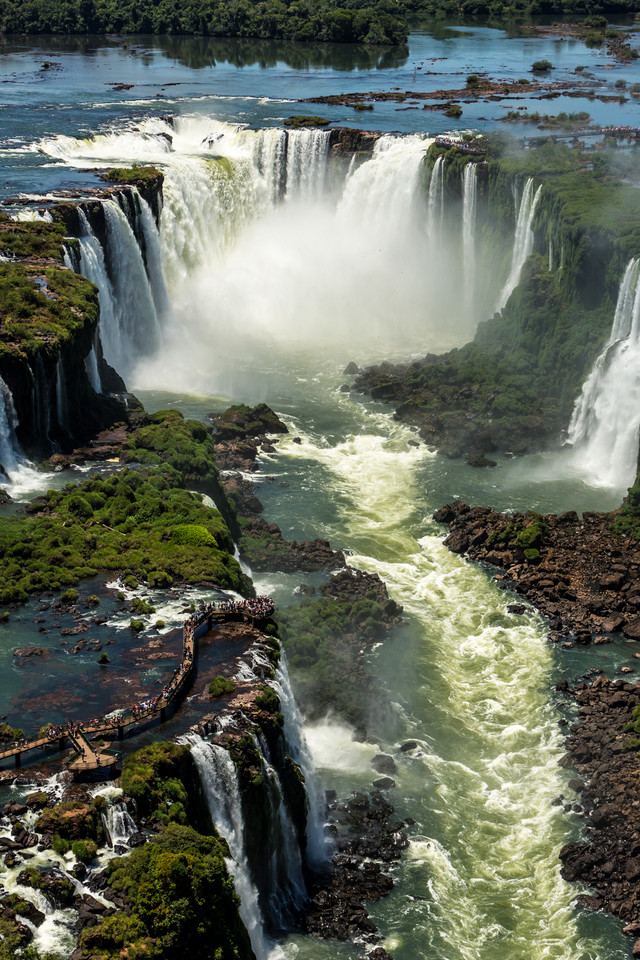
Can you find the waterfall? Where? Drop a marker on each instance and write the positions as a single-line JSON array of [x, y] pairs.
[[605, 422], [382, 193], [317, 847], [10, 454], [307, 155], [62, 411], [550, 254], [286, 885], [220, 782], [435, 204], [146, 229], [271, 161], [119, 824], [91, 368], [92, 266], [469, 191], [136, 332], [523, 240]]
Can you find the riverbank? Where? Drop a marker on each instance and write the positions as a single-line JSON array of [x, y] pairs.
[[583, 575]]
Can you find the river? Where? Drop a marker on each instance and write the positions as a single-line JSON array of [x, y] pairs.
[[269, 302]]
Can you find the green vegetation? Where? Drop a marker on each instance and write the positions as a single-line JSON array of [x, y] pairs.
[[567, 121], [369, 22], [44, 305], [140, 524], [317, 637], [153, 777], [136, 175], [181, 899], [302, 121], [84, 850], [453, 110], [220, 686], [8, 733], [627, 522], [541, 66], [73, 820]]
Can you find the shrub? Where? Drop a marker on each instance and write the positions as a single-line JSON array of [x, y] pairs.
[[60, 845], [220, 686], [84, 850], [136, 626], [540, 66], [103, 658], [473, 80], [70, 596]]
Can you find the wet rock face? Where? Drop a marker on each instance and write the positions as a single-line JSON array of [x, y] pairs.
[[577, 572], [605, 756], [368, 841]]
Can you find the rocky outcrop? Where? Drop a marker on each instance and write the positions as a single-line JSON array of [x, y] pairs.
[[242, 433], [368, 842], [576, 571], [604, 755]]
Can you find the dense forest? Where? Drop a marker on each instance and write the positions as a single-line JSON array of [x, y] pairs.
[[343, 21]]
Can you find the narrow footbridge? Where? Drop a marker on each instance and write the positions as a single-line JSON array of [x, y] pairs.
[[90, 756]]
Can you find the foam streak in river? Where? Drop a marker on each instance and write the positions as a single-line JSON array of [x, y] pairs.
[[483, 782]]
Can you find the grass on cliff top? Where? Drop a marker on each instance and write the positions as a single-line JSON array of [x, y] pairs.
[[31, 239], [182, 903], [321, 660], [143, 523], [43, 307], [136, 174]]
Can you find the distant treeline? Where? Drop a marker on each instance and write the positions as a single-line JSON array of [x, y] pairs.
[[357, 21], [338, 21]]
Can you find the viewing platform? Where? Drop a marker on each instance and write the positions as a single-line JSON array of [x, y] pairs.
[[89, 756]]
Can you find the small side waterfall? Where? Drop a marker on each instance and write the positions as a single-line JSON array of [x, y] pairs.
[[62, 407], [10, 453], [220, 782], [271, 160], [287, 888], [605, 423], [469, 204], [146, 229], [91, 367], [317, 846], [523, 241], [307, 155], [119, 824], [435, 204]]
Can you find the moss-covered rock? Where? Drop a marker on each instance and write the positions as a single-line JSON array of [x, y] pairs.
[[180, 902]]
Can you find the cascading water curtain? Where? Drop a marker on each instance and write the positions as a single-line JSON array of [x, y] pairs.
[[605, 423]]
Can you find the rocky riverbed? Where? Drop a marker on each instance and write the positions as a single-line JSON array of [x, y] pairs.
[[576, 571]]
